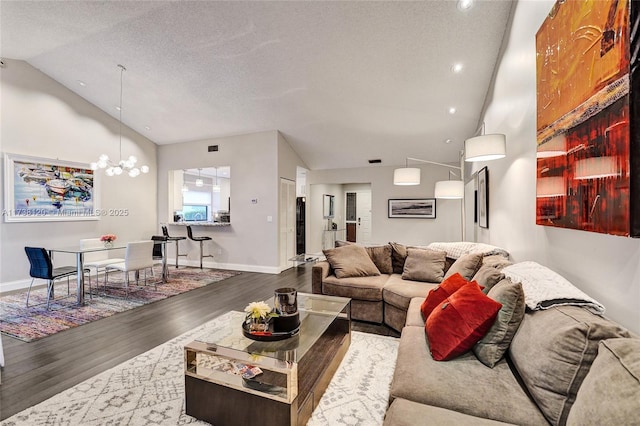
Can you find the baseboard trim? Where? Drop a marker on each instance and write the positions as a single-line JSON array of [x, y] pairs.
[[20, 285], [229, 266]]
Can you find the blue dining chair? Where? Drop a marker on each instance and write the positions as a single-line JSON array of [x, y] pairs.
[[42, 267]]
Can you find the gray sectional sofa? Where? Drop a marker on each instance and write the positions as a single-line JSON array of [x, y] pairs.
[[385, 298], [560, 363], [565, 365]]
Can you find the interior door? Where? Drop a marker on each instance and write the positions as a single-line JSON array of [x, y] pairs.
[[363, 209], [287, 213], [358, 216]]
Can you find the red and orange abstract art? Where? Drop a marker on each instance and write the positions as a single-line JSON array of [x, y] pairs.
[[585, 130]]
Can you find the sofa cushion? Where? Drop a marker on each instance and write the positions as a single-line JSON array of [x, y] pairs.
[[492, 347], [466, 265], [487, 277], [424, 265], [351, 261], [438, 295], [414, 315], [463, 384], [399, 292], [496, 261], [361, 288], [408, 413], [398, 257], [380, 255], [459, 322], [553, 350], [610, 393]]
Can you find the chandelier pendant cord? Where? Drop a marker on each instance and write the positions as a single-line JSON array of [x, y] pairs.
[[122, 70]]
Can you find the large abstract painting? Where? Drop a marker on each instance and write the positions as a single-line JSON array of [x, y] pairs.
[[38, 189], [585, 112]]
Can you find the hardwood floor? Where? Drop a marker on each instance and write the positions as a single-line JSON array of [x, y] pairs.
[[38, 370]]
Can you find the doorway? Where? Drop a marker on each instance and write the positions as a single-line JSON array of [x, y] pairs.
[[358, 215]]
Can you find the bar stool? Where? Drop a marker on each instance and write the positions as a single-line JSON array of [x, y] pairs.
[[201, 240], [165, 232]]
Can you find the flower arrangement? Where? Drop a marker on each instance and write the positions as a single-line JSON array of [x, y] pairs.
[[258, 316], [108, 238], [259, 310]]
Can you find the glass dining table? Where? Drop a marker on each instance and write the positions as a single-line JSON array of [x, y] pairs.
[[80, 252]]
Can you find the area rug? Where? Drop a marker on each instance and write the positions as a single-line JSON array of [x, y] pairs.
[[36, 322], [149, 389]]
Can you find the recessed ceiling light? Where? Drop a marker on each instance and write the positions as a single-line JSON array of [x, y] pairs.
[[147, 128], [448, 141], [457, 68], [82, 83], [117, 108], [465, 4], [452, 110]]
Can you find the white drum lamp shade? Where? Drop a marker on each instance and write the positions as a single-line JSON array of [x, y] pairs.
[[406, 176], [485, 147], [449, 189]]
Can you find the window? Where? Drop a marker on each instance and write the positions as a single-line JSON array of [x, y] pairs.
[[194, 213]]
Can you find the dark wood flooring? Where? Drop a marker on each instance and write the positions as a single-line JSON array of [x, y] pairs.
[[38, 370]]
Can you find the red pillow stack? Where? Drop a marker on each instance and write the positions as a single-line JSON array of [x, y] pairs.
[[457, 316]]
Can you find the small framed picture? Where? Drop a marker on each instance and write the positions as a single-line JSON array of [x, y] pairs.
[[421, 208]]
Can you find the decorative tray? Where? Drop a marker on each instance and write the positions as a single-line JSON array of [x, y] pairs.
[[268, 336]]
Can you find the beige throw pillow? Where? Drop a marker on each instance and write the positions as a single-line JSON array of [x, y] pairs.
[[487, 277], [466, 265], [492, 347], [424, 265], [351, 261], [381, 256]]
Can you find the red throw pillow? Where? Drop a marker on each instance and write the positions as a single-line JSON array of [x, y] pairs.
[[460, 322], [440, 293]]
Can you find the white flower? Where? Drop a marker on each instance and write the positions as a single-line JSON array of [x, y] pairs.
[[258, 309]]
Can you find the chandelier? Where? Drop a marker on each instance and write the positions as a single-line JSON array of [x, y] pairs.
[[128, 165]]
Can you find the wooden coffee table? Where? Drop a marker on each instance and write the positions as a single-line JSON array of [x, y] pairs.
[[295, 371]]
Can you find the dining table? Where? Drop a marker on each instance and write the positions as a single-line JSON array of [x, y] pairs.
[[80, 252]]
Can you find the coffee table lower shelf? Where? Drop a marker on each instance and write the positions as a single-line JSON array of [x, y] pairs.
[[222, 406]]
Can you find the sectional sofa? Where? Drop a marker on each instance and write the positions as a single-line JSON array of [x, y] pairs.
[[549, 356], [383, 295]]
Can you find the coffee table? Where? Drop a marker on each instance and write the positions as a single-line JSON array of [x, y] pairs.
[[295, 371]]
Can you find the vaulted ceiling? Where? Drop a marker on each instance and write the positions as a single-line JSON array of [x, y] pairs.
[[343, 81]]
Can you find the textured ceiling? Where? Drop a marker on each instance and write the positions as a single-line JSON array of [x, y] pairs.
[[344, 82]]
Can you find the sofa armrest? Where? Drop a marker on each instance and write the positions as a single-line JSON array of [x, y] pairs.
[[320, 271]]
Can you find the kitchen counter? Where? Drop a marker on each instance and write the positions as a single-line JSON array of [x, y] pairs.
[[199, 223]]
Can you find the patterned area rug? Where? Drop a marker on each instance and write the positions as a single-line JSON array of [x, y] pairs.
[[36, 322], [149, 389]]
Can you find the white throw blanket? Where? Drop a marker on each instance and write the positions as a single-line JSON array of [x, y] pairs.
[[544, 288]]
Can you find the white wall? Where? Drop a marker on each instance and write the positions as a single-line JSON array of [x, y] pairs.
[[606, 267], [257, 161], [446, 226], [42, 118]]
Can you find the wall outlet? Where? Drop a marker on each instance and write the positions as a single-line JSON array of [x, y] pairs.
[[269, 218]]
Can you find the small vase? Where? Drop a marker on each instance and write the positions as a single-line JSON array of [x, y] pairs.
[[108, 244]]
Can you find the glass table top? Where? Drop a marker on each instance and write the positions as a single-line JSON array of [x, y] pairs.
[[317, 312]]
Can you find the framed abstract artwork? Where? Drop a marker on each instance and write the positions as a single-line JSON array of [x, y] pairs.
[[588, 117], [41, 189], [421, 208], [482, 204]]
